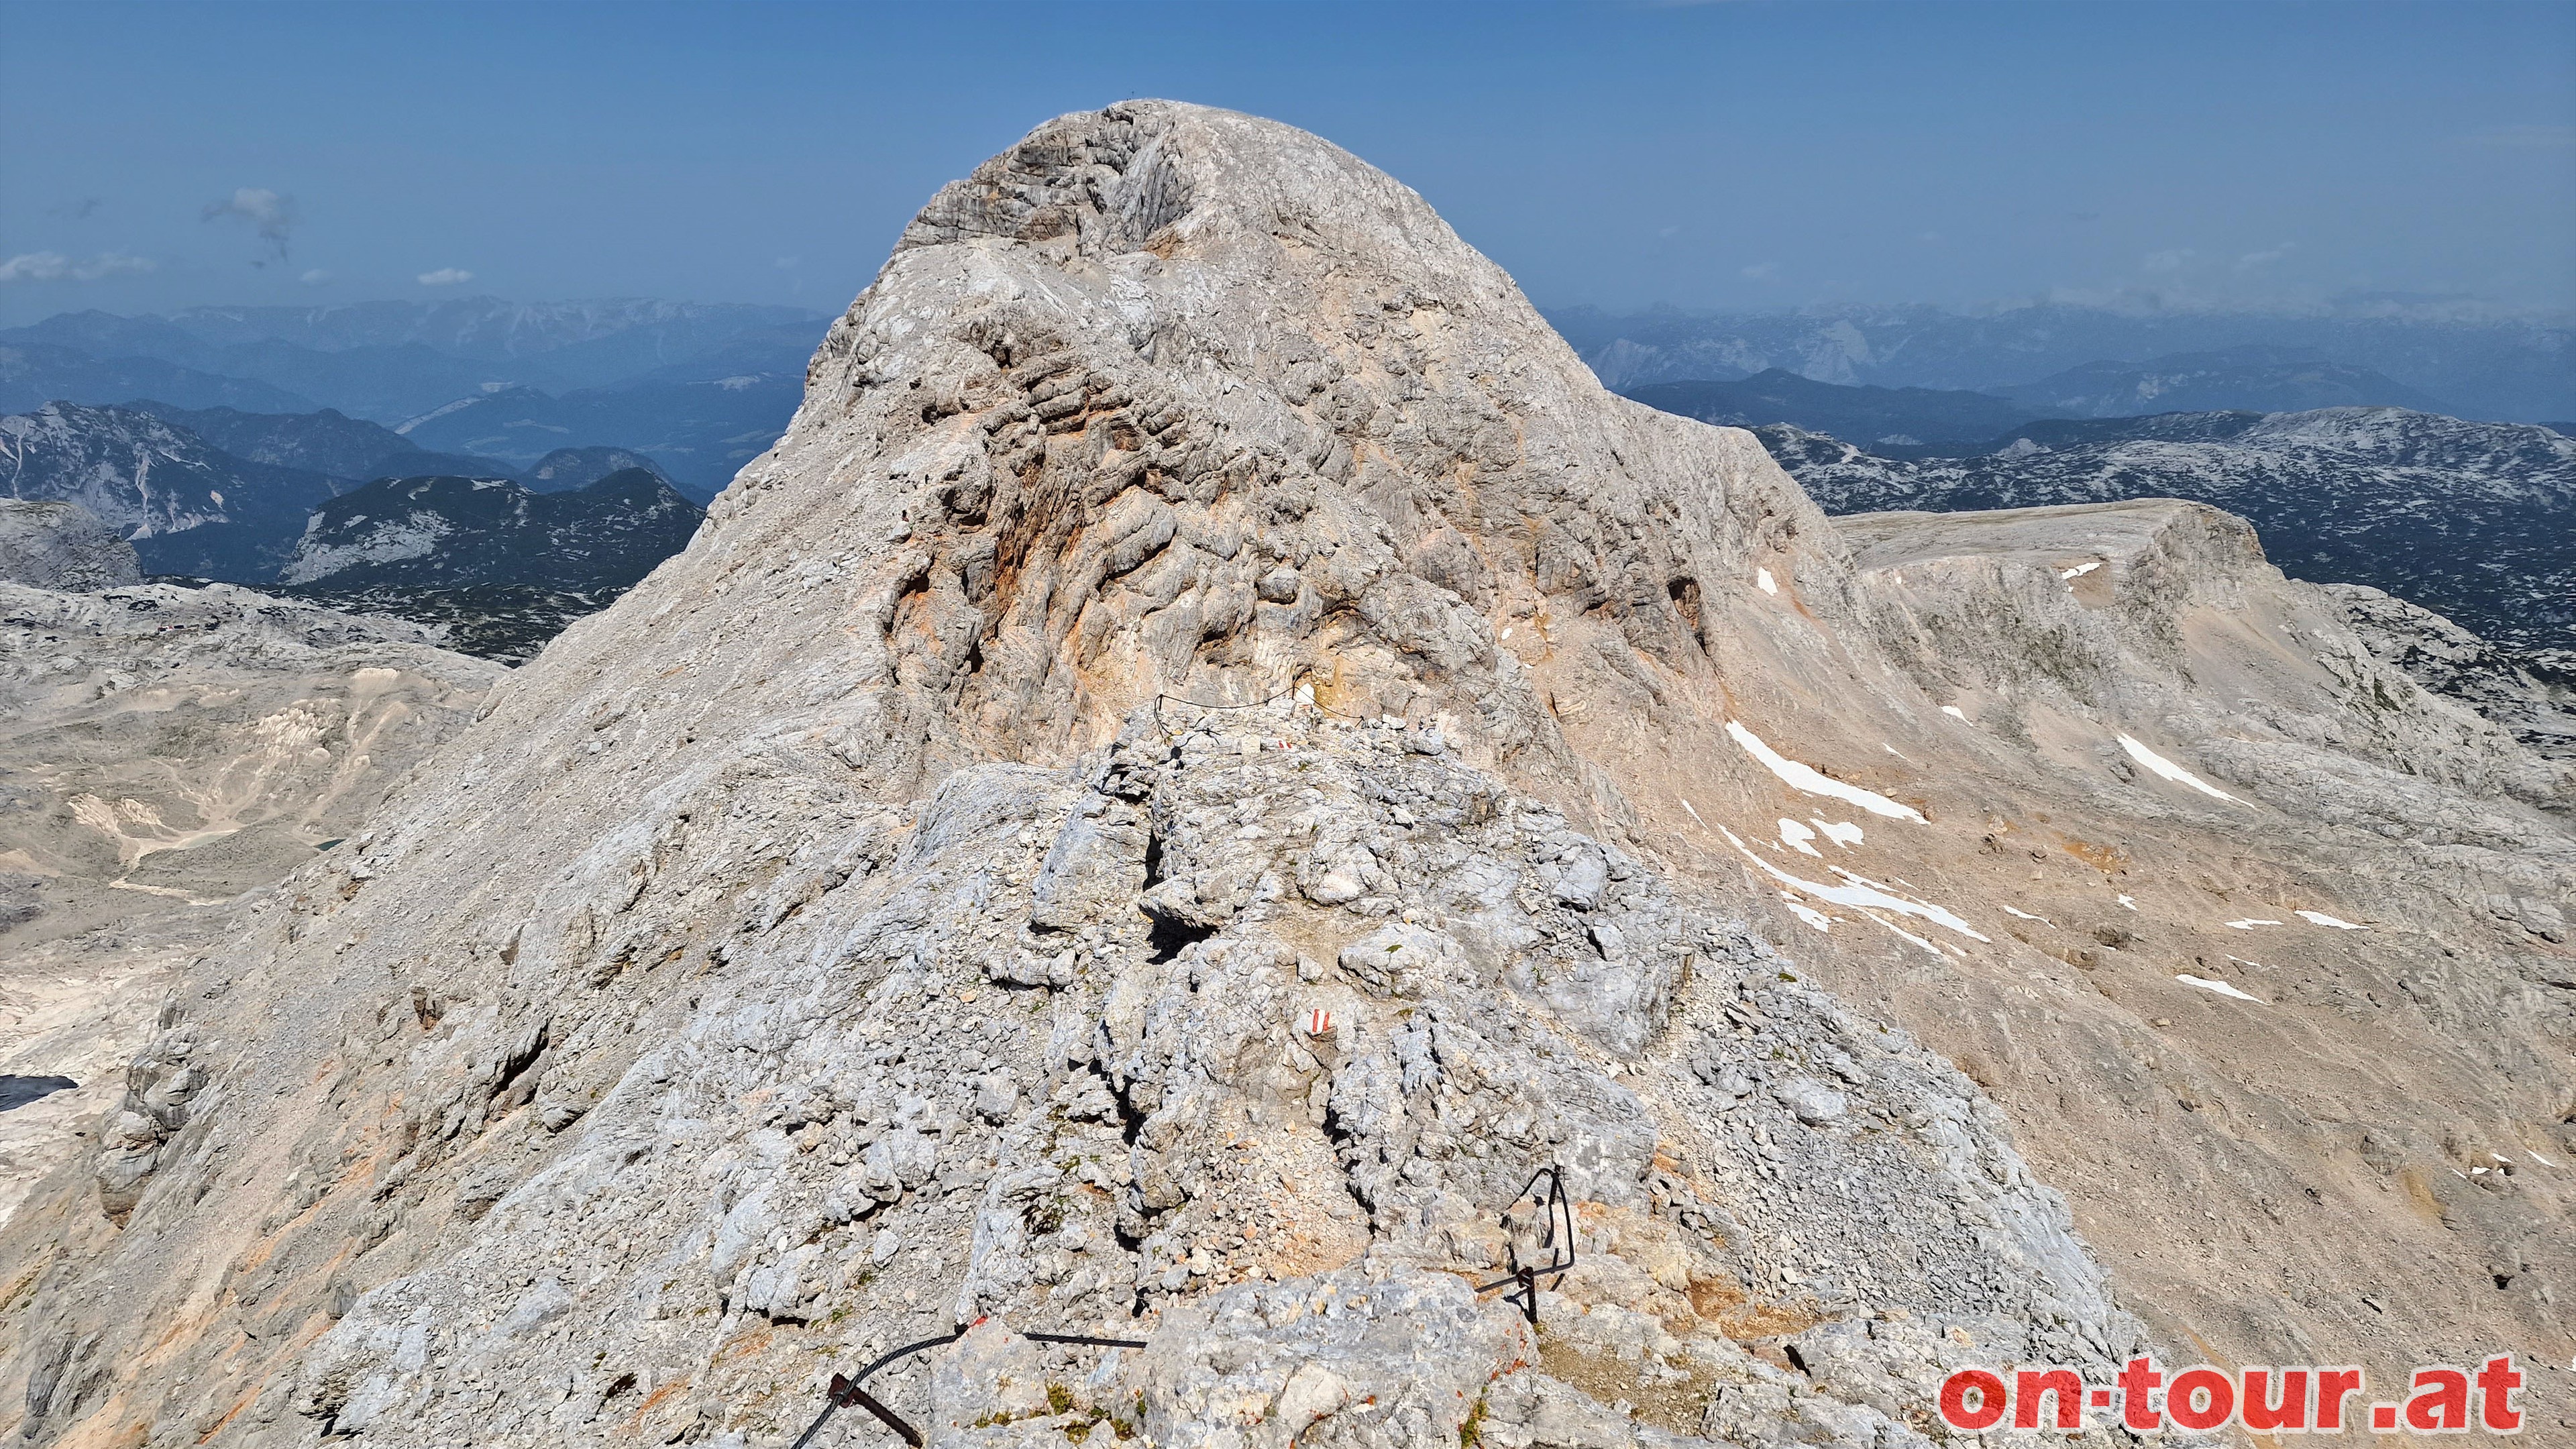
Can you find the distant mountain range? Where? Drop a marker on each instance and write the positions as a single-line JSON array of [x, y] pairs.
[[1939, 422], [2247, 379], [327, 442], [453, 532], [2521, 370], [701, 388], [1901, 421], [2476, 521], [33, 374], [700, 433], [186, 505], [214, 437], [248, 498]]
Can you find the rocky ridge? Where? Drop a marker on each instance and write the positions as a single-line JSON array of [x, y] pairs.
[[1197, 592]]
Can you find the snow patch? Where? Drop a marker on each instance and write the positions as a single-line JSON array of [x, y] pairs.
[[1909, 935], [2221, 987], [1842, 832], [1808, 779], [2080, 570], [1954, 712], [2249, 923], [1858, 895], [1798, 837], [2320, 918], [439, 412], [1807, 913], [2170, 770], [2027, 916], [1762, 580]]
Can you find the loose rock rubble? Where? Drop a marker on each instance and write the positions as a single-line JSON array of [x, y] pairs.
[[1092, 1120]]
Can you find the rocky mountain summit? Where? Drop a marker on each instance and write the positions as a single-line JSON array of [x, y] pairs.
[[1213, 756]]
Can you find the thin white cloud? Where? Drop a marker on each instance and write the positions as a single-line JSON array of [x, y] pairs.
[[2251, 260], [316, 278], [36, 267], [446, 277], [270, 214], [1762, 272], [2166, 261], [55, 267], [788, 264]]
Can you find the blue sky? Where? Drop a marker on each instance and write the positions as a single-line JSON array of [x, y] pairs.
[[1739, 156]]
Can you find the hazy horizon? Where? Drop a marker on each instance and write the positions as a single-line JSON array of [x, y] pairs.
[[1737, 158], [2407, 307]]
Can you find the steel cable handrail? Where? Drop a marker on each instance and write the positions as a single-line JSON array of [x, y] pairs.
[[848, 1391]]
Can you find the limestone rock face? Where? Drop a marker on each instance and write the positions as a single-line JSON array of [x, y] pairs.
[[62, 546], [1212, 752], [2531, 692]]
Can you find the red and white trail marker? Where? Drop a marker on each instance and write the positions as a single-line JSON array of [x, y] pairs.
[[1319, 1023]]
